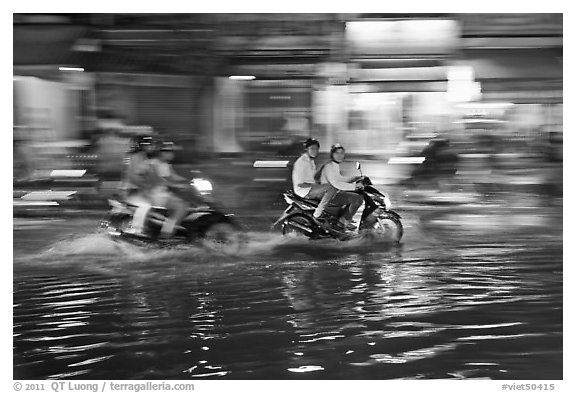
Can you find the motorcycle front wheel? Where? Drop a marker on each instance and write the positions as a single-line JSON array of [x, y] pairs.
[[389, 227]]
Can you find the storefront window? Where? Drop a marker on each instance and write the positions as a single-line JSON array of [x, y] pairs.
[[276, 118], [379, 122]]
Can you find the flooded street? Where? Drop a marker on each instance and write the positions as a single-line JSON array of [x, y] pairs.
[[466, 295]]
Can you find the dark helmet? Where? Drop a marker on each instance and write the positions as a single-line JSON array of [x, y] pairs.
[[141, 142], [311, 142], [167, 146]]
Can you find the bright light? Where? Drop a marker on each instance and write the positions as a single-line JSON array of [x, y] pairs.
[[48, 195], [40, 203], [486, 105], [201, 185], [406, 160], [242, 77], [461, 84], [68, 173], [270, 164], [79, 69], [460, 74], [406, 36], [387, 203]]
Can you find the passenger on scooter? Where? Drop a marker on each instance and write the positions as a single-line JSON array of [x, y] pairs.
[[135, 187], [165, 185], [330, 173], [303, 180]]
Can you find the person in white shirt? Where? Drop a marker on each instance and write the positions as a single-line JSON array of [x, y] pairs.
[[330, 173], [303, 179]]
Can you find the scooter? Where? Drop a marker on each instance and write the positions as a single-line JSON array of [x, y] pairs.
[[205, 224], [377, 217]]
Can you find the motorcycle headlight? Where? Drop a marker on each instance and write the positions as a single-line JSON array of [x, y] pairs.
[[383, 202], [202, 185], [387, 203]]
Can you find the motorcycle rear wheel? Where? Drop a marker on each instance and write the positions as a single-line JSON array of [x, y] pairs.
[[291, 225]]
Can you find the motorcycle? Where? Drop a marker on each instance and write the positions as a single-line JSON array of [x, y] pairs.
[[377, 216], [204, 224]]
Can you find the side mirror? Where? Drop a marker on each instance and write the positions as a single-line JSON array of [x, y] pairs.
[[358, 166]]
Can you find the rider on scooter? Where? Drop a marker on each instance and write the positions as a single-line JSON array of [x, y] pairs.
[[135, 187], [171, 190], [303, 180], [330, 173]]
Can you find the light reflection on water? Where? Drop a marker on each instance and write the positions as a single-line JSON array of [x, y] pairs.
[[286, 309]]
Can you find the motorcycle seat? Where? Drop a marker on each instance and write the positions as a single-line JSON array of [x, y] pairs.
[[313, 202], [296, 197], [133, 206]]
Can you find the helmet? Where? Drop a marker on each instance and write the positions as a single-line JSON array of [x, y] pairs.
[[335, 147], [167, 146], [311, 142], [141, 142]]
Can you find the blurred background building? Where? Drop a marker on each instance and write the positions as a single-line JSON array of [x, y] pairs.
[[246, 87]]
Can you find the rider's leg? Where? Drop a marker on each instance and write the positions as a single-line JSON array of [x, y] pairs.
[[355, 201], [141, 212], [324, 192], [351, 202], [179, 209]]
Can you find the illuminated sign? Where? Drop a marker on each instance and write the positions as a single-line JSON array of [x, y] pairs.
[[402, 37]]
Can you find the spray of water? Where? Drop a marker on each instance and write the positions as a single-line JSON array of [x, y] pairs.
[[253, 243], [98, 250]]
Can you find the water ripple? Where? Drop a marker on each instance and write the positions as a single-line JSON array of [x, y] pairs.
[[284, 308]]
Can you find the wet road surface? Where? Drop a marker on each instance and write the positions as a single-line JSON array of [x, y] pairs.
[[468, 294]]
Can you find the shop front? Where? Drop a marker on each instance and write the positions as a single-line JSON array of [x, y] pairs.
[[397, 84]]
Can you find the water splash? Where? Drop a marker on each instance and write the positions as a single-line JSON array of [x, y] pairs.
[[91, 244], [100, 246]]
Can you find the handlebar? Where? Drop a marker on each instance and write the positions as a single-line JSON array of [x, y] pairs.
[[365, 181]]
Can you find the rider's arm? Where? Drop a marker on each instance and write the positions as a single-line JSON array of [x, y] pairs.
[[153, 174], [351, 179], [175, 177], [332, 172]]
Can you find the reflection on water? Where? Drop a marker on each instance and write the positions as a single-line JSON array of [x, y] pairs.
[[435, 307]]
